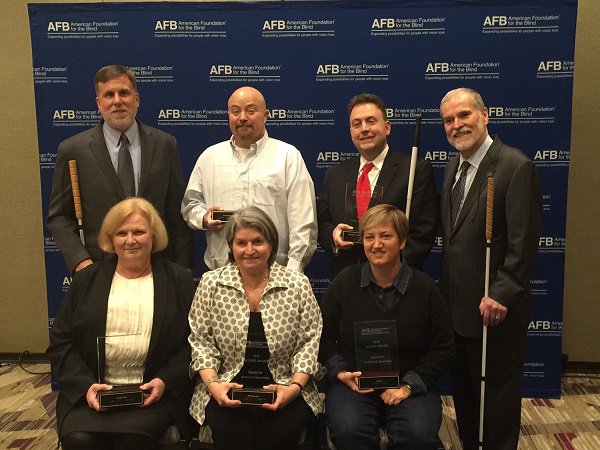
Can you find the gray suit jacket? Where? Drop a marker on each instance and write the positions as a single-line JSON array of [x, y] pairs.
[[161, 183], [515, 238]]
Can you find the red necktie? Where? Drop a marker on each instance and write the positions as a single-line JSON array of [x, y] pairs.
[[363, 190]]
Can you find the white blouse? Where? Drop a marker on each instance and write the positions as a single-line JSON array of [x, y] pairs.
[[128, 328]]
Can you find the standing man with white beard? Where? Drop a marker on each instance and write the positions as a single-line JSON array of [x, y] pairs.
[[506, 310]]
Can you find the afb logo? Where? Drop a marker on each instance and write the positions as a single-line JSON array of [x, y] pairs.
[[221, 69], [546, 241], [495, 111], [165, 25], [63, 114], [492, 21], [274, 25], [58, 26], [549, 66], [437, 67], [169, 114], [383, 23], [437, 155], [328, 69], [546, 155], [277, 114], [538, 325], [328, 156]]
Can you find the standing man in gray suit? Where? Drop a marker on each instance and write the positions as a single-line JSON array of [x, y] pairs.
[[118, 158], [506, 311]]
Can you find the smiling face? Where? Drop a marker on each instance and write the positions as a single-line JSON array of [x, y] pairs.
[[464, 122], [248, 114], [369, 130], [133, 241], [251, 250], [118, 102], [382, 245]]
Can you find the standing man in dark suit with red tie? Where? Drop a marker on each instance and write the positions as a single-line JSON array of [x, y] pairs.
[[383, 172], [515, 235], [152, 170]]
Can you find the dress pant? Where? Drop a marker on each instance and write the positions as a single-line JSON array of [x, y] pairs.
[[504, 374], [255, 428]]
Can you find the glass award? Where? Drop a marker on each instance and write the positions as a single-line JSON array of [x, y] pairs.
[[376, 344], [120, 395], [254, 373], [350, 212], [230, 190]]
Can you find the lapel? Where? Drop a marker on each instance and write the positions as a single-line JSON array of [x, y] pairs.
[[487, 166], [388, 172], [159, 276], [446, 191], [99, 298], [148, 148], [100, 151]]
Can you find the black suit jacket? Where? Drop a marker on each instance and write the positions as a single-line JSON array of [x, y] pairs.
[[82, 318], [393, 179], [515, 238], [161, 183]]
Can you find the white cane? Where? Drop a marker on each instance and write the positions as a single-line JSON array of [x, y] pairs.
[[413, 165], [76, 197], [489, 218]]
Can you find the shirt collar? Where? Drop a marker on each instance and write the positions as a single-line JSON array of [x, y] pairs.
[[253, 147], [114, 136], [377, 162], [400, 282], [477, 157]]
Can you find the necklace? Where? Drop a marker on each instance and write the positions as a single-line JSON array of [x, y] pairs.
[[249, 286]]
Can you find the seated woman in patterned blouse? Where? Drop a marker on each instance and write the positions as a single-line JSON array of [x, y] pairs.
[[137, 303], [254, 324]]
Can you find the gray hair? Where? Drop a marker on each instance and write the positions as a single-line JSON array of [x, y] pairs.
[[475, 96], [252, 217]]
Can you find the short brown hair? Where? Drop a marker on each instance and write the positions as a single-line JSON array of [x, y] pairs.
[[113, 71], [365, 97], [121, 211]]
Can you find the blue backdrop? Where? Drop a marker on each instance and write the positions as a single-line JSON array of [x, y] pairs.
[[309, 58]]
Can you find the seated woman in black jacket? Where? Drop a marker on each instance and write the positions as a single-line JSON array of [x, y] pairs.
[[130, 312]]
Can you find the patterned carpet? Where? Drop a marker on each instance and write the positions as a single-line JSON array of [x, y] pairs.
[[571, 423]]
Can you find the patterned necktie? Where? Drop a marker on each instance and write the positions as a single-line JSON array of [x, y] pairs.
[[363, 190], [458, 191], [125, 167]]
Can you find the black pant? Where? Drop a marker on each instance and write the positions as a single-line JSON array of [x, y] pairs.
[[251, 427], [81, 440], [504, 374]]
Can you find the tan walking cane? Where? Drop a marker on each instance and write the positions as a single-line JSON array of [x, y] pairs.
[[76, 197]]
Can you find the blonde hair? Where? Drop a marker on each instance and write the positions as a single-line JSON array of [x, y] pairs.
[[121, 211], [379, 214]]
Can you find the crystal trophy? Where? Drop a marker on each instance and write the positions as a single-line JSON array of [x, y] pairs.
[[230, 190], [351, 215], [255, 373], [119, 395], [376, 345]]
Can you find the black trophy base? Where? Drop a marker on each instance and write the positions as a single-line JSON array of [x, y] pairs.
[[255, 397], [119, 396], [381, 381], [351, 236], [221, 215]]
